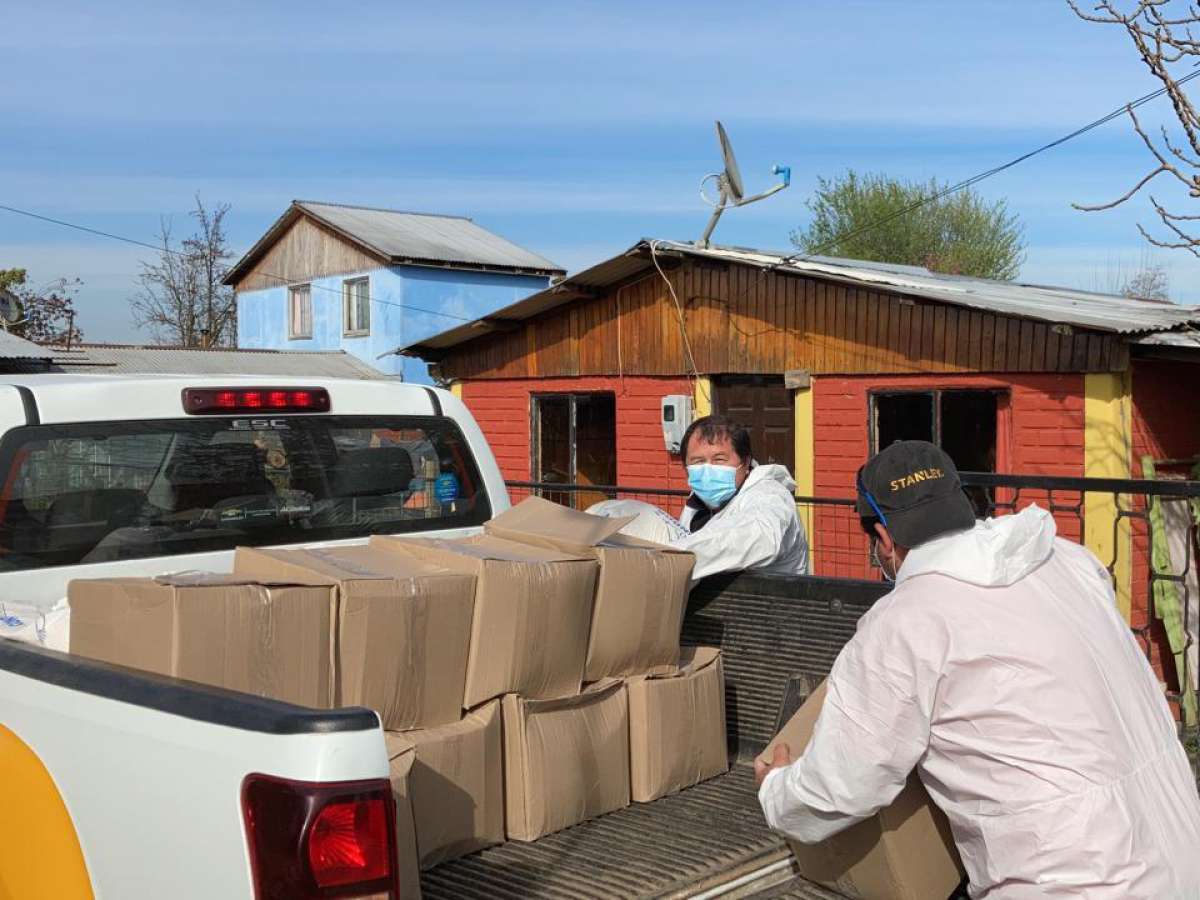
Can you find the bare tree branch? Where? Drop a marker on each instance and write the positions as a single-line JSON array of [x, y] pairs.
[[181, 300], [1129, 193], [1170, 245], [1163, 36]]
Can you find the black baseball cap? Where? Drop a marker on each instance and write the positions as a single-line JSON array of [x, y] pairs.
[[912, 487]]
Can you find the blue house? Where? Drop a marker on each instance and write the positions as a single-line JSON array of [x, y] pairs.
[[332, 277]]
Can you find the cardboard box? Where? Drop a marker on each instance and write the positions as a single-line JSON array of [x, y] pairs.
[[266, 639], [402, 628], [565, 761], [677, 726], [903, 852], [457, 786], [641, 592], [533, 610], [401, 757]]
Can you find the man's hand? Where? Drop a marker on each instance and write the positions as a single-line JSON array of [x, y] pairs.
[[782, 757]]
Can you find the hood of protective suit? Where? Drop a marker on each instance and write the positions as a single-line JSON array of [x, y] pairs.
[[770, 472], [995, 553]]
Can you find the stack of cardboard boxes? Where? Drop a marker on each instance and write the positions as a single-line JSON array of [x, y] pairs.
[[528, 678]]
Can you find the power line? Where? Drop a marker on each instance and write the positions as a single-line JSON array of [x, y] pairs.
[[180, 253], [975, 179]]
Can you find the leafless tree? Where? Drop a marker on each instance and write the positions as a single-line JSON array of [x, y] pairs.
[[1148, 283], [1162, 32], [46, 313], [1146, 279], [181, 299]]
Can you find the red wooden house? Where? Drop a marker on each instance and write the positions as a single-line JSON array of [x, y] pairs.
[[827, 360]]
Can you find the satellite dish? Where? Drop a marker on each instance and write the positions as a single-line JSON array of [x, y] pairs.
[[729, 185], [10, 307], [733, 175]]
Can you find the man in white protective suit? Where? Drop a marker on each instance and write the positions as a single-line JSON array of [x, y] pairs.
[[1000, 668], [740, 515]]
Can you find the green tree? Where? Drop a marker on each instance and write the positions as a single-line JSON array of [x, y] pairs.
[[46, 313], [871, 217]]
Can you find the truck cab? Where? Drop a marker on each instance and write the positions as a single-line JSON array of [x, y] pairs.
[[105, 476]]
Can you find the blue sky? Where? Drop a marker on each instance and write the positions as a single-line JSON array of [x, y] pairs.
[[571, 128]]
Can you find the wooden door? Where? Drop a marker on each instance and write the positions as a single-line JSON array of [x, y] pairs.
[[767, 408]]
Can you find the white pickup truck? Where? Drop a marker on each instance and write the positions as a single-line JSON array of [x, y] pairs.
[[124, 785]]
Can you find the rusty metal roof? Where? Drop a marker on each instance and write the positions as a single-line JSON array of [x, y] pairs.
[[1058, 305], [399, 237]]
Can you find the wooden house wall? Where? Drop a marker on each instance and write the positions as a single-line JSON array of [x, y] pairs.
[[740, 320], [306, 251]]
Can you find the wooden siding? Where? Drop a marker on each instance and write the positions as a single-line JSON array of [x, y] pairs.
[[306, 251], [741, 320]]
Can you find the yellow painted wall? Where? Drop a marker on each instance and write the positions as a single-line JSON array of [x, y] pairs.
[[805, 471], [40, 857], [456, 389], [1107, 453], [702, 399]]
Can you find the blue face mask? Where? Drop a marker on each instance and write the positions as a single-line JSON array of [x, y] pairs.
[[713, 484]]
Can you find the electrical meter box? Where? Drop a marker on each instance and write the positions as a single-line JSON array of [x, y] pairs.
[[676, 417]]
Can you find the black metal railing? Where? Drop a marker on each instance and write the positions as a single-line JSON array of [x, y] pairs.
[[1157, 591]]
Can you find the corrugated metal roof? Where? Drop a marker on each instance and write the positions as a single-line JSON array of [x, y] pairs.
[[413, 238], [579, 286], [118, 359], [1099, 312], [1186, 339], [1082, 309], [13, 347]]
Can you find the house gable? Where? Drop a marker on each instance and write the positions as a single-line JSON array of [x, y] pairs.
[[304, 251]]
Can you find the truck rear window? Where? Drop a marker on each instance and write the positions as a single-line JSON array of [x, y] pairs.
[[86, 493]]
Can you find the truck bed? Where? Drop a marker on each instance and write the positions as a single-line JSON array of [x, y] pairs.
[[770, 628], [646, 850]]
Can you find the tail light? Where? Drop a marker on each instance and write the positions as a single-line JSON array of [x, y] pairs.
[[224, 401], [312, 841]]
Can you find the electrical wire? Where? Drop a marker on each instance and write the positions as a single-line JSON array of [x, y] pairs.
[[164, 249], [687, 344], [833, 242], [975, 179]]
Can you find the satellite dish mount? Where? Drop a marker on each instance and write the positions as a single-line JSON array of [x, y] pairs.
[[730, 188], [10, 309]]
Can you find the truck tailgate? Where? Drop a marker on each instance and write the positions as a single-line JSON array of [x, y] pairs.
[[151, 769], [769, 629]]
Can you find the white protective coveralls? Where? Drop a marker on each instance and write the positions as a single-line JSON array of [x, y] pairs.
[[649, 522], [758, 529], [1001, 669]]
